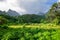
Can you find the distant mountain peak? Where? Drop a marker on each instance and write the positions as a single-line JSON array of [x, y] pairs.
[[12, 13]]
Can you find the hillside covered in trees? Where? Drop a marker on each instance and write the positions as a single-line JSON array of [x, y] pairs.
[[26, 18], [53, 15]]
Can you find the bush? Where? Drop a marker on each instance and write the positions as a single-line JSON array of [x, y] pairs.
[[29, 34], [4, 27]]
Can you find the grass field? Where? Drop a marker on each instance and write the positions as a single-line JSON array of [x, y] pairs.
[[30, 32], [43, 26]]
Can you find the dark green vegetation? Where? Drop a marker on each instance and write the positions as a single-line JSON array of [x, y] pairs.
[[51, 19], [27, 18], [29, 34]]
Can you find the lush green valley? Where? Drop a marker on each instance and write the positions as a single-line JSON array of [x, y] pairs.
[[31, 26]]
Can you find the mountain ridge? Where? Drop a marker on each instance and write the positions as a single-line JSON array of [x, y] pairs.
[[12, 13]]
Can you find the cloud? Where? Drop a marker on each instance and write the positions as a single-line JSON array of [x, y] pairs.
[[58, 0], [2, 0], [29, 0], [26, 6], [37, 5], [11, 4]]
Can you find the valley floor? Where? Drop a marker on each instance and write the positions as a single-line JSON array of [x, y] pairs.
[[43, 26], [30, 32]]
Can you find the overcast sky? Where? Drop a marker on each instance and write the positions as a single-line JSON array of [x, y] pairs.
[[26, 6]]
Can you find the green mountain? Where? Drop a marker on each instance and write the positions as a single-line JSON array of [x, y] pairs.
[[52, 16], [26, 18], [5, 19], [54, 13]]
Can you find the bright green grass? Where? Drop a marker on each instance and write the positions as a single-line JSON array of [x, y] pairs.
[[44, 26], [30, 32]]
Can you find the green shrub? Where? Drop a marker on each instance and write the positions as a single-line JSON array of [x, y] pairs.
[[29, 34]]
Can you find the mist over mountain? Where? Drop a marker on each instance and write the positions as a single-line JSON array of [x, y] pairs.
[[26, 6], [12, 13], [9, 13]]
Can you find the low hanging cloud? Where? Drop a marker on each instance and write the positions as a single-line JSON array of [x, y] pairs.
[[2, 0], [5, 5], [58, 0], [26, 6]]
